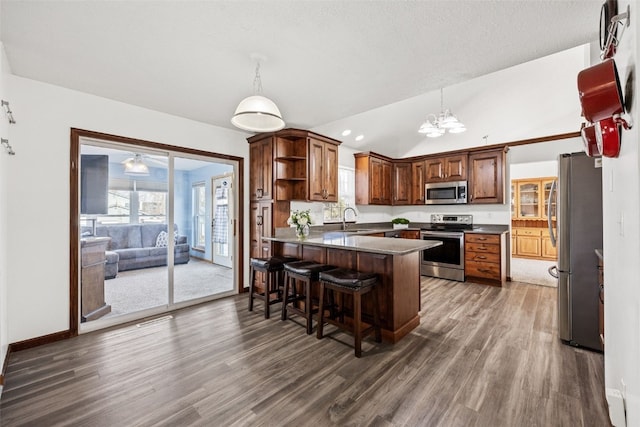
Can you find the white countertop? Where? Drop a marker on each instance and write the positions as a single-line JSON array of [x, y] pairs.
[[349, 241]]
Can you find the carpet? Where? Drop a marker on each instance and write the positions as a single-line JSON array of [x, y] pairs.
[[532, 271], [136, 290]]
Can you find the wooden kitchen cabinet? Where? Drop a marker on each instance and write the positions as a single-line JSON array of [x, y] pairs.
[[443, 169], [417, 182], [92, 264], [528, 242], [261, 215], [261, 163], [323, 171], [373, 179], [401, 183], [530, 198], [486, 176], [547, 248], [485, 258]]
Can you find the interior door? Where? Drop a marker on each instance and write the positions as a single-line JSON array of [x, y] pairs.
[[222, 220]]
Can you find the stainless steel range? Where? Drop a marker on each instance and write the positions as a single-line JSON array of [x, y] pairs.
[[447, 260]]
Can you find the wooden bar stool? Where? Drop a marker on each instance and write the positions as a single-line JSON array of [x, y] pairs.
[[271, 267], [305, 273], [350, 282]]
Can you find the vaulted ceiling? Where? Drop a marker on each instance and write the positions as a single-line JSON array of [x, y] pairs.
[[325, 60]]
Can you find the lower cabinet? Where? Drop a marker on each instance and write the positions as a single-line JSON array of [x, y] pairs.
[[485, 258], [92, 261], [534, 243]]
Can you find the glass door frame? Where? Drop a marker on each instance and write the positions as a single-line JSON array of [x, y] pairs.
[[79, 136]]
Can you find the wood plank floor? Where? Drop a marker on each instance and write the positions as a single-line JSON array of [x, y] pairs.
[[482, 356]]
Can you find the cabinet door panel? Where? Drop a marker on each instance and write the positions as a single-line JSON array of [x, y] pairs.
[[486, 177], [528, 246], [434, 170], [386, 183], [401, 183], [417, 183], [330, 168], [316, 173], [456, 168]]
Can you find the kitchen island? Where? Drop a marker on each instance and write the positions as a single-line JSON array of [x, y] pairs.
[[396, 261]]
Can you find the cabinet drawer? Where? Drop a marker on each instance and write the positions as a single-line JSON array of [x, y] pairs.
[[528, 232], [482, 247], [482, 257], [482, 269], [493, 239]]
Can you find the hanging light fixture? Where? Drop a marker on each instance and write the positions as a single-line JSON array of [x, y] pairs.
[[134, 166], [257, 113], [436, 126]]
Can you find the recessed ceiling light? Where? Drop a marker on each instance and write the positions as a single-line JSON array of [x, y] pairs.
[[346, 132], [359, 137]]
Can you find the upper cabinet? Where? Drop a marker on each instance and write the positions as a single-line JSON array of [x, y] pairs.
[[323, 168], [299, 165], [531, 199], [444, 169], [401, 183], [384, 181], [261, 176], [373, 179], [486, 176], [417, 182]]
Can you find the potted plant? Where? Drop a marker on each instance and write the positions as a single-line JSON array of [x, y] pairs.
[[400, 223]]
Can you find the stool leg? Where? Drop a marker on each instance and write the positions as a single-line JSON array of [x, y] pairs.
[[252, 279], [376, 315], [285, 297], [320, 311], [307, 305], [267, 294], [357, 328]]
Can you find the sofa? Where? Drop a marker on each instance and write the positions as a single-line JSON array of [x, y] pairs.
[[135, 246]]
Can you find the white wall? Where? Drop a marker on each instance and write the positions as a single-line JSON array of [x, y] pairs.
[[4, 178], [621, 194], [37, 201], [534, 169]]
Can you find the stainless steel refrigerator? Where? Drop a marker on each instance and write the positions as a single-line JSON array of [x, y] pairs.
[[578, 194]]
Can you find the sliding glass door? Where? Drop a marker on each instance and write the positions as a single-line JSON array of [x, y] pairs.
[[147, 232]]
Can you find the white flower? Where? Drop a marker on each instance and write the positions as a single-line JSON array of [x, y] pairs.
[[302, 221]]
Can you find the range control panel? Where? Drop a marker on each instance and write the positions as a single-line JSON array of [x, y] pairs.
[[452, 219]]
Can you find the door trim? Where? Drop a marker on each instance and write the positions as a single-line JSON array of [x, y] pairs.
[[74, 217]]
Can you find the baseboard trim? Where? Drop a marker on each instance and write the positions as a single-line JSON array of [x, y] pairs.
[[38, 341], [5, 363]]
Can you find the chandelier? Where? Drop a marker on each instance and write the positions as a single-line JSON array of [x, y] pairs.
[[257, 113], [436, 126]]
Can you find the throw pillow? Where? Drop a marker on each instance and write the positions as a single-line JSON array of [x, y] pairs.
[[161, 240]]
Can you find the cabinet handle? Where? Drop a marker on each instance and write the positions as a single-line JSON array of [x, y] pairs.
[[481, 257], [259, 193], [259, 220], [483, 270], [482, 248], [482, 238]]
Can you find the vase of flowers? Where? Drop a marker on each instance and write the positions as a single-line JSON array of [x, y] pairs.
[[301, 220]]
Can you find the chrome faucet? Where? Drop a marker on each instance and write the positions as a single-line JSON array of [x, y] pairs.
[[344, 215]]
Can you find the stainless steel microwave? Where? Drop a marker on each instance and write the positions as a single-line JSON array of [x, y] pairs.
[[446, 193]]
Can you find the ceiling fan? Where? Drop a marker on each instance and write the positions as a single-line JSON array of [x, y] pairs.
[[137, 165]]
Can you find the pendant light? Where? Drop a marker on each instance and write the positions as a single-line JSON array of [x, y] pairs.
[[257, 113], [436, 126]]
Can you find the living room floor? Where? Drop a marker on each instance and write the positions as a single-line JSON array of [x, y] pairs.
[[136, 290], [481, 356]]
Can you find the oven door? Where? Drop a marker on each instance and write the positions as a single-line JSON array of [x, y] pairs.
[[450, 254]]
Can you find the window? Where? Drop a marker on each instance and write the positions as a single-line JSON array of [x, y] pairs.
[[199, 216], [346, 195]]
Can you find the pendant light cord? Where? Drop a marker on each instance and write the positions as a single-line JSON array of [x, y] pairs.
[[257, 81]]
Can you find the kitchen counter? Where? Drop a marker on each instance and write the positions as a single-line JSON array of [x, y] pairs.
[[489, 229], [396, 261], [355, 242]]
